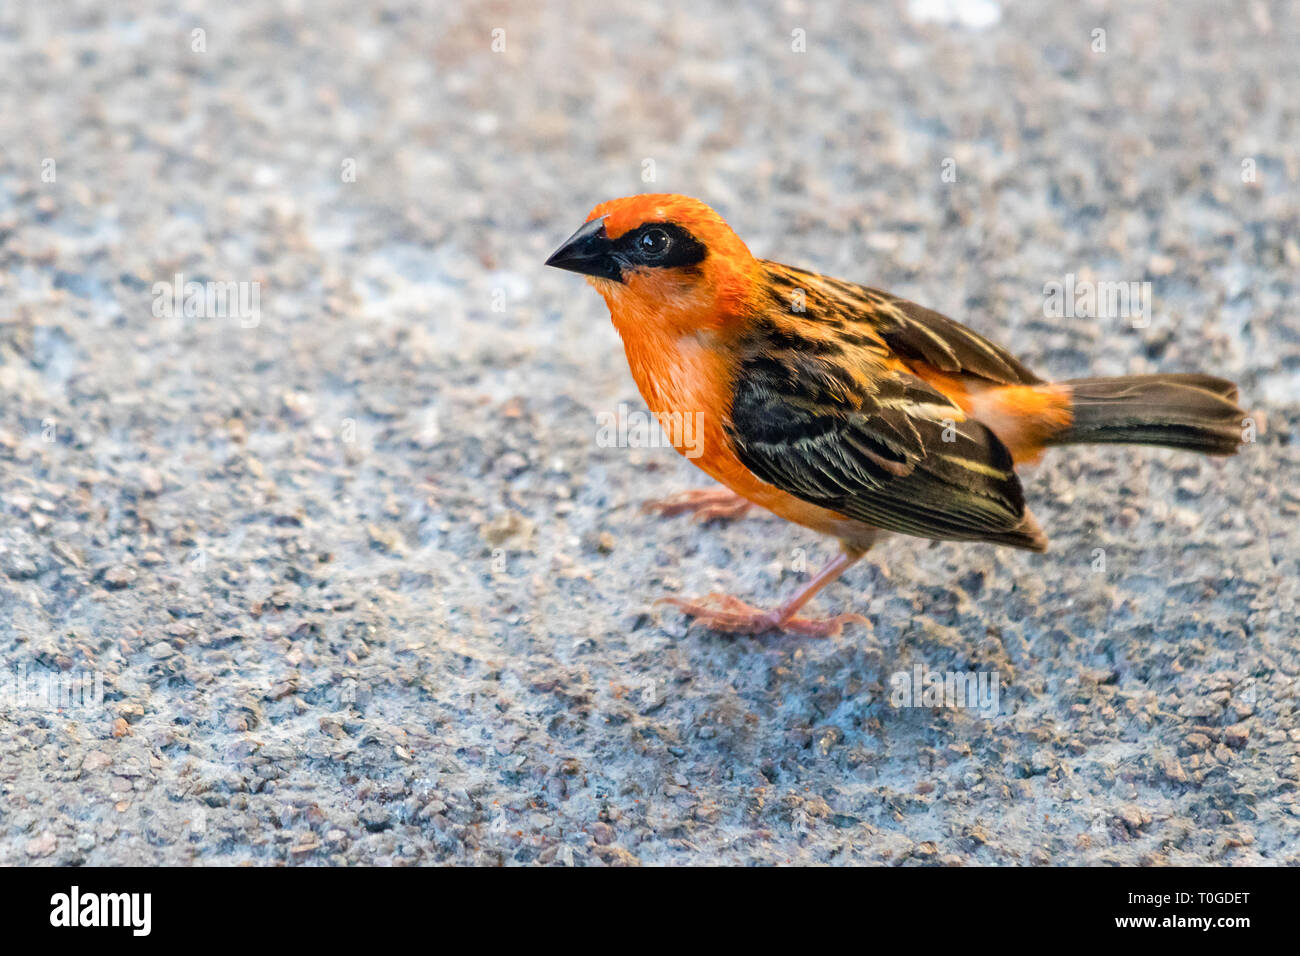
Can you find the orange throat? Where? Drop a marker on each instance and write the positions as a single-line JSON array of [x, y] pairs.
[[680, 372]]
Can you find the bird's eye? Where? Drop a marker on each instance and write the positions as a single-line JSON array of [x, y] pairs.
[[653, 243]]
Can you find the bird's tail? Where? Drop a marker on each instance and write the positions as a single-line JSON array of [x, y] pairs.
[[1192, 412]]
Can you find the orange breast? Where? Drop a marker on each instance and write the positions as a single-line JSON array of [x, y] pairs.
[[687, 378]]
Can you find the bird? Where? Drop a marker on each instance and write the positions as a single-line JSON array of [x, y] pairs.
[[843, 408]]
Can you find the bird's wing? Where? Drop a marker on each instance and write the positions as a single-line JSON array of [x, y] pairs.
[[912, 331], [842, 428]]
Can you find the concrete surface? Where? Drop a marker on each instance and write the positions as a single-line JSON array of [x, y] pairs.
[[359, 582]]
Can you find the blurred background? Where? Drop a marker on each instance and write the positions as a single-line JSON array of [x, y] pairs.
[[298, 456]]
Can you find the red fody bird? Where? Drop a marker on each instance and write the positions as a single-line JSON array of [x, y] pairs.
[[846, 409]]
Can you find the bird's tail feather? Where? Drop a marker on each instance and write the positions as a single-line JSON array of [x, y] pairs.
[[1192, 412]]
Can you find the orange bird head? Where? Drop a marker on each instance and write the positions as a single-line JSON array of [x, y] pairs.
[[665, 264]]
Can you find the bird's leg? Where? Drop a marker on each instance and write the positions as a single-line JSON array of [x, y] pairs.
[[722, 612], [708, 504]]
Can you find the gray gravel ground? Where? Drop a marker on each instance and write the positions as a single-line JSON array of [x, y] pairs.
[[363, 587]]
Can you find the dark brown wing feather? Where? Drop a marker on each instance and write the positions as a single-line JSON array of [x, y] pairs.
[[819, 412], [910, 330]]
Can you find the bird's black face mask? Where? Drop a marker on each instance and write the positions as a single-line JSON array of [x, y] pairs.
[[653, 245]]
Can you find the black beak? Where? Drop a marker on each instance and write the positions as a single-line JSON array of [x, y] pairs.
[[589, 252]]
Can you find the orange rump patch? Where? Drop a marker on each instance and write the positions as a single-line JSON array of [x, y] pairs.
[[1023, 416]]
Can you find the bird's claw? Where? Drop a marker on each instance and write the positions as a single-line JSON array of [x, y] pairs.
[[709, 504], [722, 612]]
